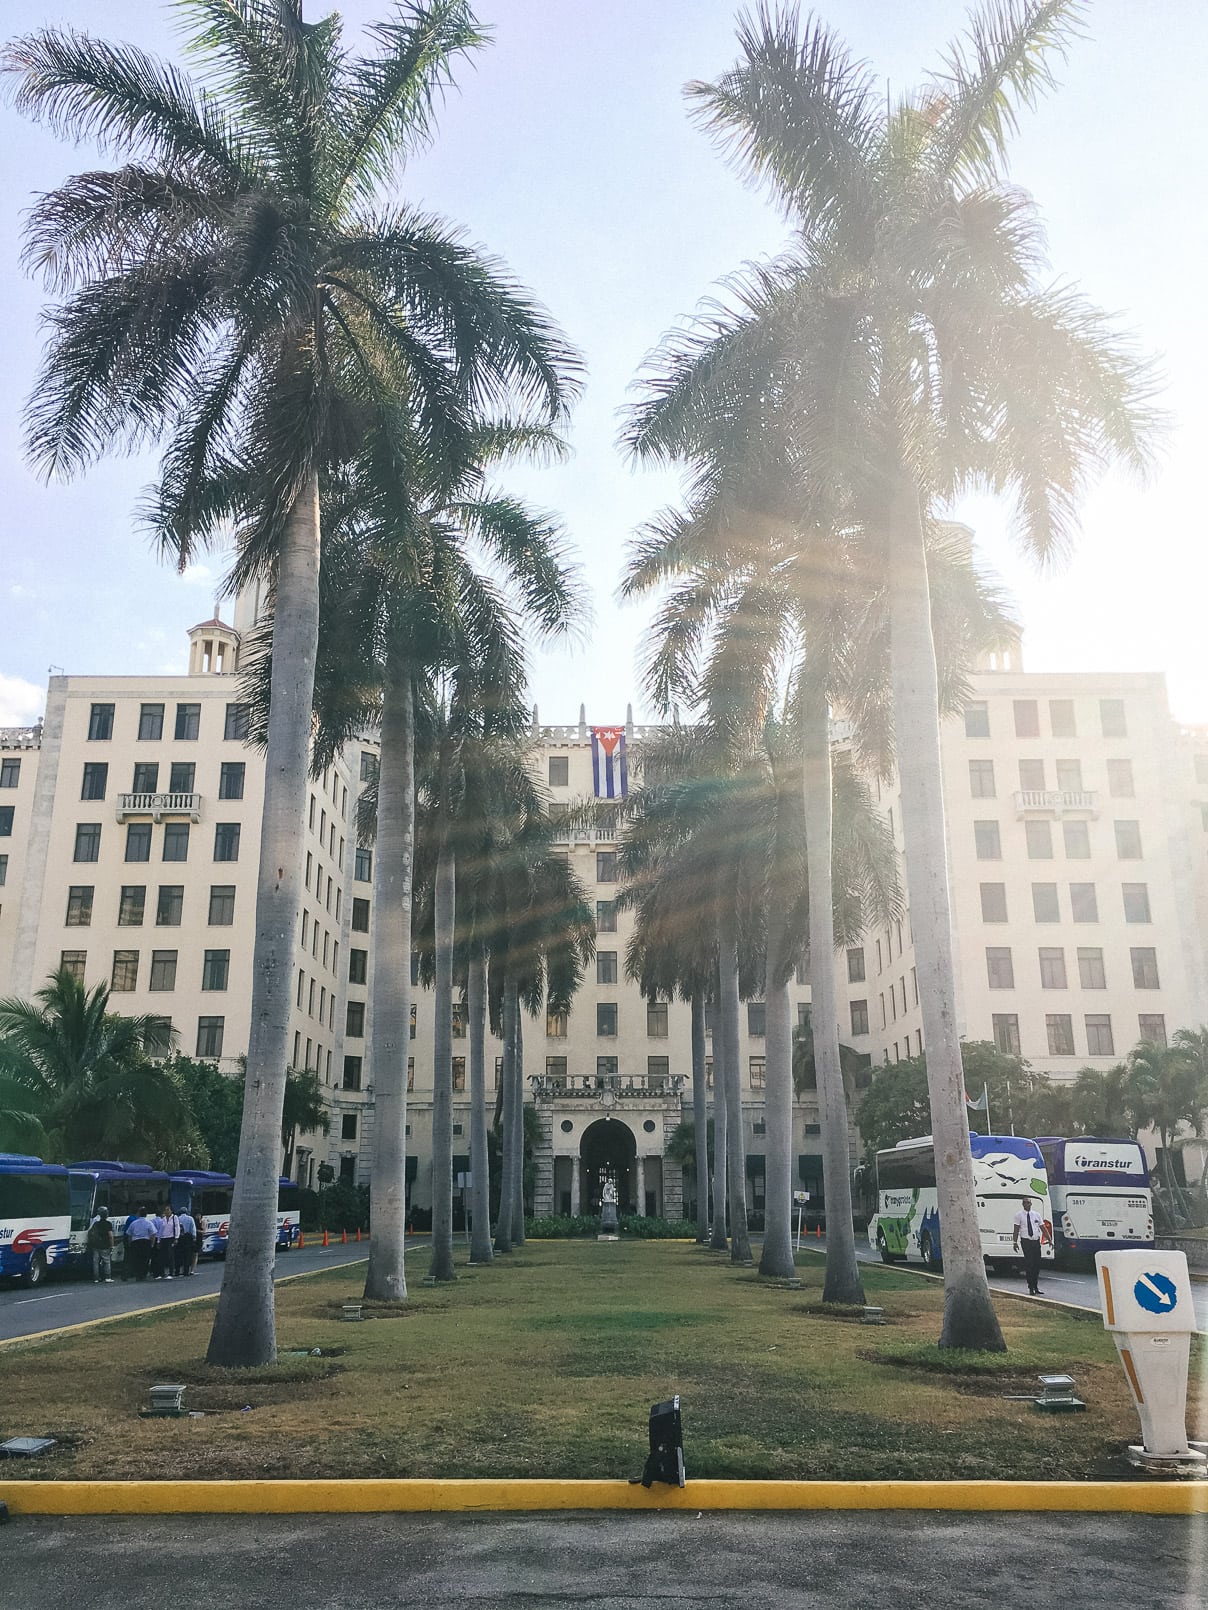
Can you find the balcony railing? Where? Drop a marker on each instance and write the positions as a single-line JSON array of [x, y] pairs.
[[606, 1086], [21, 737], [1056, 802], [157, 806]]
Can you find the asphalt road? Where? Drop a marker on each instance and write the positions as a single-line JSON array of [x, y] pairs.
[[62, 1301], [725, 1561]]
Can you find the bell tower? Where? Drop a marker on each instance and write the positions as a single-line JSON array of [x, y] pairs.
[[213, 648]]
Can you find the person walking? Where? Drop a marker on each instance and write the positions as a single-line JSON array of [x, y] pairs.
[[100, 1244], [1031, 1233], [186, 1243], [140, 1235]]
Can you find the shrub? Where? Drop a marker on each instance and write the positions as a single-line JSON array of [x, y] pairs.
[[657, 1229], [561, 1226]]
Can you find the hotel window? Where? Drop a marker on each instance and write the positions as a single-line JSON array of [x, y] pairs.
[[757, 1072], [559, 771], [355, 1022], [458, 1026], [230, 779], [3, 870], [87, 841], [1128, 841], [459, 1073], [170, 905], [125, 971], [555, 1069], [138, 841], [1076, 837], [132, 905], [163, 970], [362, 867], [1039, 837], [222, 905], [1090, 968], [1000, 970], [606, 967], [182, 774], [96, 780], [1061, 718], [176, 841], [215, 969], [79, 905], [606, 1019], [188, 722], [607, 1067], [100, 723], [1152, 1026], [157, 1039], [10, 774], [658, 1071], [556, 1024], [1052, 968], [987, 841], [656, 1020], [606, 916], [226, 841], [1145, 967], [1069, 777], [358, 966], [236, 723], [1120, 779], [209, 1037], [1099, 1040], [981, 779], [151, 722], [1084, 906], [146, 777], [348, 1126], [1111, 716], [855, 965], [1031, 776], [6, 821], [1136, 902], [757, 1019], [360, 916], [1027, 718], [606, 866], [1059, 1027], [1006, 1032], [73, 962], [411, 1077], [994, 902], [977, 719], [369, 766], [352, 1073], [859, 1017], [1045, 906]]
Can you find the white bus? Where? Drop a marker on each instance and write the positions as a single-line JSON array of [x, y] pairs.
[[1100, 1194], [907, 1221]]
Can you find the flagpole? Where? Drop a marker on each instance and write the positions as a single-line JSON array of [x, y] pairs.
[[986, 1099]]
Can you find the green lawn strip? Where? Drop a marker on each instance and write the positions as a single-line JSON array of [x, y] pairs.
[[546, 1363]]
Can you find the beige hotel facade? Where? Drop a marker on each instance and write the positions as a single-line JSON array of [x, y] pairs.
[[1077, 829]]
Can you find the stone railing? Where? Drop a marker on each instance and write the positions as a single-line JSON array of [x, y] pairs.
[[157, 806], [21, 737], [601, 1086], [1057, 802]]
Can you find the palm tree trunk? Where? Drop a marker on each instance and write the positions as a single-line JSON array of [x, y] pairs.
[[776, 1258], [390, 1029], [444, 917], [700, 1117], [518, 1132], [503, 1226], [736, 1153], [842, 1282], [244, 1331], [719, 1241], [969, 1317], [480, 1190]]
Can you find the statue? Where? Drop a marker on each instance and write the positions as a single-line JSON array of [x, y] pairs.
[[609, 1228]]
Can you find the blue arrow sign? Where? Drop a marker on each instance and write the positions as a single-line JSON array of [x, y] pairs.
[[1156, 1293]]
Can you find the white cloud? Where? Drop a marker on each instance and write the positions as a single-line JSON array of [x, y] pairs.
[[199, 575], [20, 702]]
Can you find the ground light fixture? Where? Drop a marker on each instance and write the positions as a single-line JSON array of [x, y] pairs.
[[665, 1461], [26, 1447]]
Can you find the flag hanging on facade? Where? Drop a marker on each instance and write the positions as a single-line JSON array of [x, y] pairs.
[[609, 767]]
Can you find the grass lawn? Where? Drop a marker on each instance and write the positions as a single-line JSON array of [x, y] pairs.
[[546, 1364]]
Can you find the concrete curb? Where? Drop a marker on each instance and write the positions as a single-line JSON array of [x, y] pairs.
[[479, 1496]]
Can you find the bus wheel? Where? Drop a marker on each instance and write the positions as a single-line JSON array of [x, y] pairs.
[[886, 1255], [927, 1252], [36, 1273]]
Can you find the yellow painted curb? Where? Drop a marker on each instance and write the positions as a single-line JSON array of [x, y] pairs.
[[360, 1497]]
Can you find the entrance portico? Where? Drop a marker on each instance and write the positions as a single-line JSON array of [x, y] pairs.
[[592, 1128]]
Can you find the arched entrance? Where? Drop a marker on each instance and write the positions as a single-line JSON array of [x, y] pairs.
[[608, 1146]]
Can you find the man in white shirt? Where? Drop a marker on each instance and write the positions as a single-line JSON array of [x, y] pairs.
[[1030, 1232]]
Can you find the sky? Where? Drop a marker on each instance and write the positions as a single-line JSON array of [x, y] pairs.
[[566, 150]]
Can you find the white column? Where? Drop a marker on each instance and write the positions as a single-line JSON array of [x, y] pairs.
[[640, 1176], [574, 1186]]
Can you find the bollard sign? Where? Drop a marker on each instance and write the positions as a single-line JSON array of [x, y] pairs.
[[1145, 1296]]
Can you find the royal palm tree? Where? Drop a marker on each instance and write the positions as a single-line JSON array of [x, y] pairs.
[[236, 290], [927, 359]]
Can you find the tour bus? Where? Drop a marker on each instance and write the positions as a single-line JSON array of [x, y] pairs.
[[289, 1214], [1100, 1194], [121, 1187], [35, 1217], [207, 1196], [907, 1222]]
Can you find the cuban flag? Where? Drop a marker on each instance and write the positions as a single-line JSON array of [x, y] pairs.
[[609, 768]]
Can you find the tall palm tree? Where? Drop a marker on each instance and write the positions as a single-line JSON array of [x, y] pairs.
[[236, 290], [79, 1079], [302, 1110], [927, 359]]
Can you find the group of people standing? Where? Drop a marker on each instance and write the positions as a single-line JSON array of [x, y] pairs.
[[160, 1244]]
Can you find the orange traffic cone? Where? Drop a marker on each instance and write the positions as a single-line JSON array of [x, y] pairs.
[[301, 1242], [325, 1238], [344, 1237], [818, 1232], [358, 1232]]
